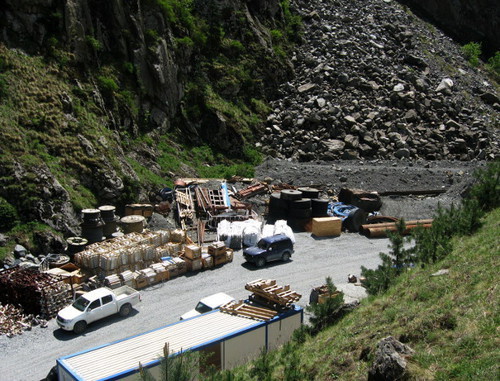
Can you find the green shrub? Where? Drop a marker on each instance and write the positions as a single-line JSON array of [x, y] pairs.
[[129, 67], [472, 51], [494, 63], [487, 189], [93, 43], [8, 215], [185, 42], [324, 314], [293, 22], [276, 35], [4, 87], [152, 37], [393, 264], [108, 86]]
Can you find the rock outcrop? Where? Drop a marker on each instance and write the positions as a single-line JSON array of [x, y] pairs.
[[373, 81]]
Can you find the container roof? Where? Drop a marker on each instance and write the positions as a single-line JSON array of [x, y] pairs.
[[124, 355]]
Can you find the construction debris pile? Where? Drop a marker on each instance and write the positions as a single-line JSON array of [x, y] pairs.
[[37, 293], [14, 322], [196, 203], [266, 301]]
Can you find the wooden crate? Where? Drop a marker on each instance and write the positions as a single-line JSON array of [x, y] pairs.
[[141, 283], [326, 226], [220, 259], [194, 264], [217, 248], [162, 276], [192, 251]]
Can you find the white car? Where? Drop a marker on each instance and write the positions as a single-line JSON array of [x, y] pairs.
[[208, 304]]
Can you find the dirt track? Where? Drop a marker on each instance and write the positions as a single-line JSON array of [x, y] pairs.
[[451, 178]]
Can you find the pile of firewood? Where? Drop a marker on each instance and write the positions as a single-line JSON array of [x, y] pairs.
[[14, 322]]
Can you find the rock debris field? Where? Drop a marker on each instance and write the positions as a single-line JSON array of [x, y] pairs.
[[374, 81]]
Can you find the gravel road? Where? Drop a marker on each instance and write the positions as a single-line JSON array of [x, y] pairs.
[[31, 355]]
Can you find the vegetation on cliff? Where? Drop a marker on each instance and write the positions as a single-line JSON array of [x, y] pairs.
[[115, 110]]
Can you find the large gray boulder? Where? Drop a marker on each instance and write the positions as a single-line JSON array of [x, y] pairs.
[[390, 361]]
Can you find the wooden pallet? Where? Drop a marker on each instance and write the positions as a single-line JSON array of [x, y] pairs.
[[269, 290], [246, 310]]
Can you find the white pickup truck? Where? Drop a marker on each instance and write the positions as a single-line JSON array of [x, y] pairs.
[[95, 305]]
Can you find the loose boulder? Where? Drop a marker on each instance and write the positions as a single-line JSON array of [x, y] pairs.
[[390, 361]]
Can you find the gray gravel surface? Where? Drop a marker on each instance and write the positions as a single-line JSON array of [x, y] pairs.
[[31, 355], [453, 178]]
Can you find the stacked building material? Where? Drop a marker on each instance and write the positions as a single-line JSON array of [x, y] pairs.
[[269, 293], [326, 226], [37, 293], [218, 251], [127, 278], [113, 281], [245, 309], [133, 251]]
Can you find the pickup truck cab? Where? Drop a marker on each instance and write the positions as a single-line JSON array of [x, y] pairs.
[[95, 305], [208, 304], [273, 248]]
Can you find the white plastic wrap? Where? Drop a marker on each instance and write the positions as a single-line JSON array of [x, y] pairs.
[[236, 235], [251, 233], [267, 231], [281, 227], [224, 232]]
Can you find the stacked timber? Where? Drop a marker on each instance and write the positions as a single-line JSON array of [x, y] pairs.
[[218, 251], [380, 230], [268, 292], [36, 293], [133, 251], [207, 260], [247, 310]]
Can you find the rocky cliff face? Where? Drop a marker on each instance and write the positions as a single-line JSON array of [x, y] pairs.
[[94, 86], [104, 101], [467, 21], [137, 32]]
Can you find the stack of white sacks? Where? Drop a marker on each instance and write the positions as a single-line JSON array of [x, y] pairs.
[[237, 234]]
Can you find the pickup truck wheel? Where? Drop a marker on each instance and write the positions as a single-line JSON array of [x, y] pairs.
[[260, 262], [125, 310], [286, 256], [80, 327]]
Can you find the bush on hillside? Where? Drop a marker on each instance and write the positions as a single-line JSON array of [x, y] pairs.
[[8, 215], [325, 314], [393, 264], [472, 51]]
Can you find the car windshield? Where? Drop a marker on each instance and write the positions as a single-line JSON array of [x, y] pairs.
[[262, 244], [202, 308], [81, 303]]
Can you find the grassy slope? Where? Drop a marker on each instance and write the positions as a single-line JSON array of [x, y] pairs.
[[451, 321]]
